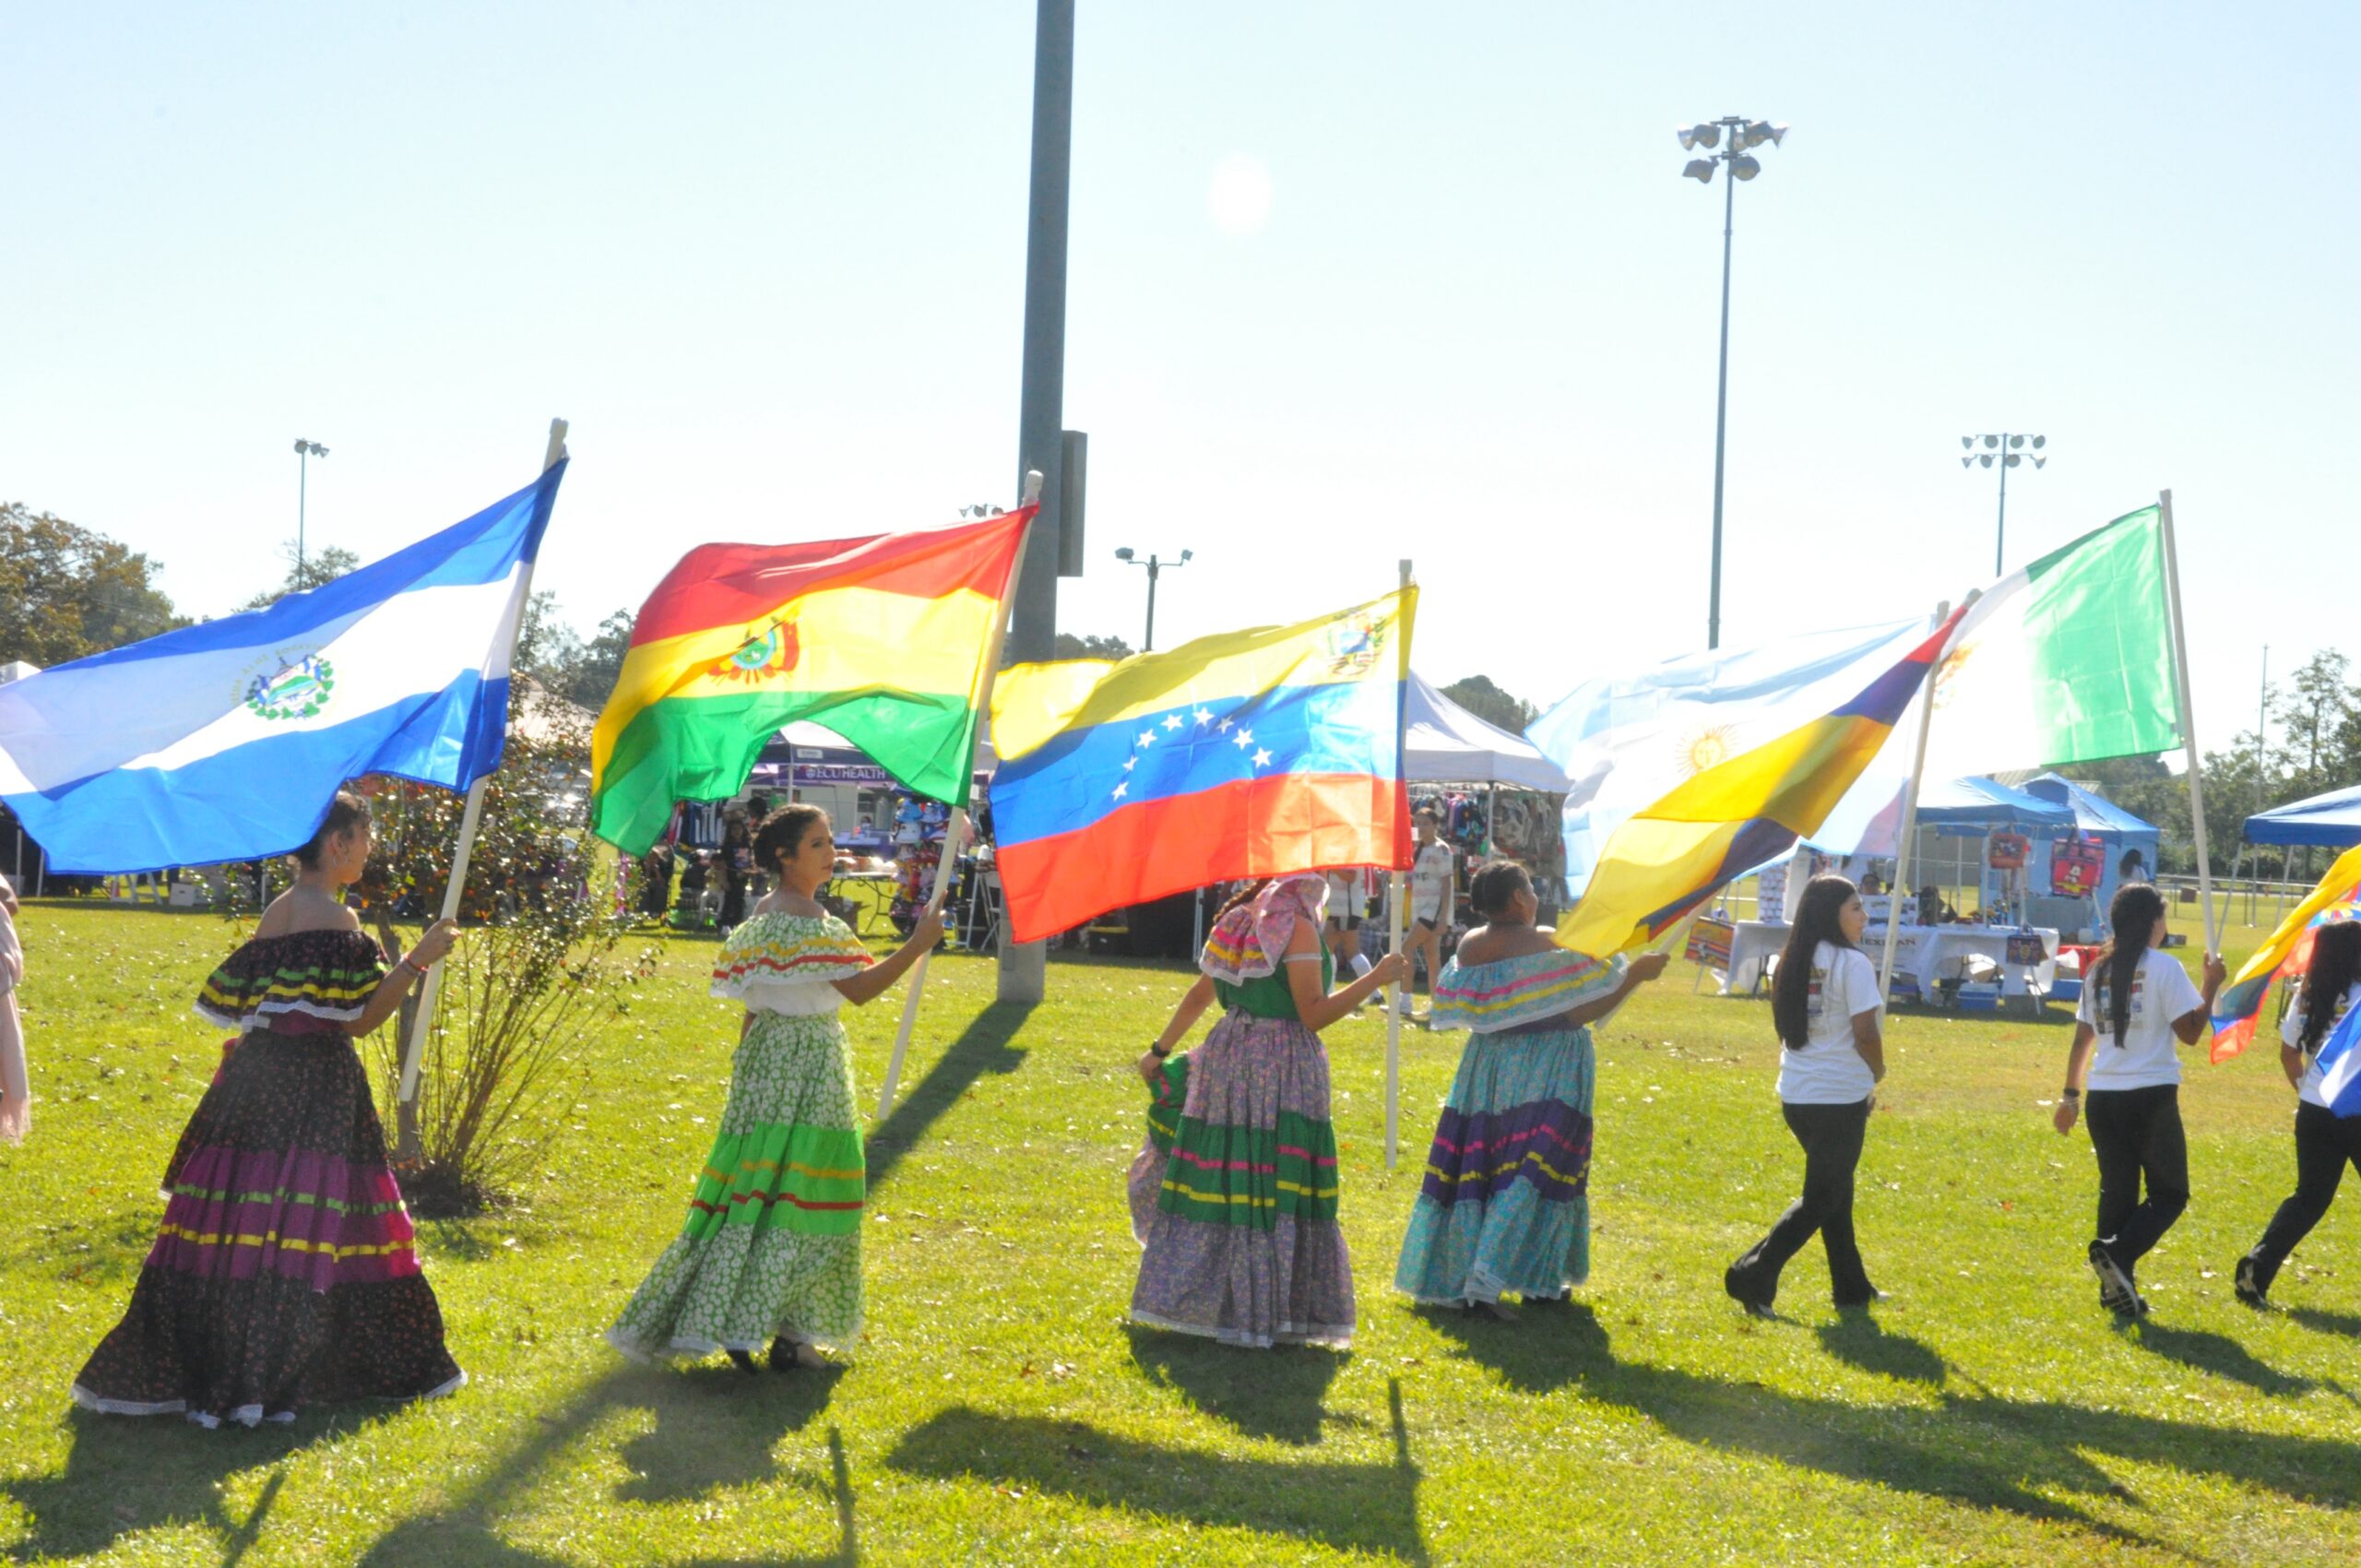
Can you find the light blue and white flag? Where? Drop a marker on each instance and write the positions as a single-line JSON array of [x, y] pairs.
[[1628, 739], [2340, 1066], [226, 740]]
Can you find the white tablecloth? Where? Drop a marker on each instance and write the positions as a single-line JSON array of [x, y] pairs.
[[1927, 954]]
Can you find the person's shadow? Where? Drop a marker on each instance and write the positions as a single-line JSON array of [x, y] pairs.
[[124, 1475], [751, 1413], [2215, 1353], [2320, 1321], [1279, 1394], [1859, 1339]]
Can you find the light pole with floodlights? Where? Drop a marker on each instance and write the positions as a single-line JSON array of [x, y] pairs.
[[304, 452], [2004, 452], [1154, 565], [1744, 134]]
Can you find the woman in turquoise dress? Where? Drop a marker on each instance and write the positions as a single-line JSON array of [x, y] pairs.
[[771, 1253], [1504, 1209], [1236, 1214]]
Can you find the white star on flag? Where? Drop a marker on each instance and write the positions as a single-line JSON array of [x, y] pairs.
[[1223, 726], [1130, 763], [1147, 737], [1243, 740], [1120, 788], [1262, 757], [1204, 716], [1172, 721]]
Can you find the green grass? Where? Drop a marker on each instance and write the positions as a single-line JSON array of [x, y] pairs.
[[1000, 1411]]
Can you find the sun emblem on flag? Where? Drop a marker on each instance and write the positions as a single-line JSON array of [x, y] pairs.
[[297, 689], [1701, 749], [1355, 642], [772, 651]]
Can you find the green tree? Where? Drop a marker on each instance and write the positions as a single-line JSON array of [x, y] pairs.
[[1480, 696], [1068, 645], [66, 592], [317, 568], [588, 677]]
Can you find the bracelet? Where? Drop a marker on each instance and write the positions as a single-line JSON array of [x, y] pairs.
[[2069, 1093], [1159, 1049], [412, 965]]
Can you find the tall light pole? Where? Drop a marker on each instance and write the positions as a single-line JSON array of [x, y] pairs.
[[304, 452], [1743, 135], [1154, 565], [2003, 452]]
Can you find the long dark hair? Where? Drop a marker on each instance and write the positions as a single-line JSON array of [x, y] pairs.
[[2133, 916], [2336, 964], [1816, 921]]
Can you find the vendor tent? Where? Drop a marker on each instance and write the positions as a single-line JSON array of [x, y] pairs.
[[2333, 819], [17, 670], [1444, 743], [2118, 832], [1973, 806]]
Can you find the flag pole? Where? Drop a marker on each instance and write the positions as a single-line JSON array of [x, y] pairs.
[[2189, 724], [1909, 829], [1394, 913], [957, 828], [468, 817]]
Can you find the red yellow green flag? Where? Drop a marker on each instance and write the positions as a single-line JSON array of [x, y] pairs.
[[886, 639]]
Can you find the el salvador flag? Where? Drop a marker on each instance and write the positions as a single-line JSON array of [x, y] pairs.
[[226, 740], [2340, 1065]]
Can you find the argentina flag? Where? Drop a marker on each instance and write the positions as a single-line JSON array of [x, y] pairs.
[[225, 741]]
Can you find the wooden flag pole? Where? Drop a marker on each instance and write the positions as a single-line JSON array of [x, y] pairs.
[[1394, 927], [1909, 829], [957, 829], [2189, 724], [468, 817]]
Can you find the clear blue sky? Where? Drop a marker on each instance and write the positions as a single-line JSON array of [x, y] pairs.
[[768, 259]]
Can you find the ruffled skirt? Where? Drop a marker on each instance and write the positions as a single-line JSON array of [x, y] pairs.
[[1504, 1207], [772, 1246], [284, 1271], [1236, 1213]]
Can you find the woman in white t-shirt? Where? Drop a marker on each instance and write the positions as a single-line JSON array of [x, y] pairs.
[[1434, 886], [2137, 1003], [1825, 1005], [2325, 1142]]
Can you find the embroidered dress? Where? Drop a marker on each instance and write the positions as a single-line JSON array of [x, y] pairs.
[[772, 1246], [284, 1270], [1504, 1207], [1240, 1242]]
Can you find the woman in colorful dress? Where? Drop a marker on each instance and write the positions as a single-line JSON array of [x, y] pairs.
[[1504, 1209], [771, 1254], [284, 1271], [1243, 1244], [2325, 1142]]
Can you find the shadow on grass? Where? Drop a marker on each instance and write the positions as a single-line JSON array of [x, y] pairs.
[[2323, 1321], [1969, 1447], [124, 1475], [752, 1410], [1349, 1507], [1859, 1339], [982, 1047], [2215, 1353], [1277, 1394]]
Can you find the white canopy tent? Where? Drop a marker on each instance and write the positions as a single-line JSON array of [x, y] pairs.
[[1444, 743]]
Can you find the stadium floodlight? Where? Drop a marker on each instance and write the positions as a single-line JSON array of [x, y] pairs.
[[1743, 133], [1157, 567], [2010, 451]]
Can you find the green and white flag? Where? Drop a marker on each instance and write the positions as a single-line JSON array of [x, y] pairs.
[[2070, 659]]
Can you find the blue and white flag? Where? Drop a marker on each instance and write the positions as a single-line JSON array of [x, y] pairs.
[[2340, 1066], [226, 740], [1629, 739]]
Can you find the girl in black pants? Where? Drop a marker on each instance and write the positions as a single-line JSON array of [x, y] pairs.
[[1824, 1005], [2325, 1142], [2137, 1002]]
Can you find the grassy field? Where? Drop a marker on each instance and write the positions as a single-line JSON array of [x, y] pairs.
[[1000, 1411]]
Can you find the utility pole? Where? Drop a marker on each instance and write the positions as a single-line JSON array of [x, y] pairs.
[[1032, 635]]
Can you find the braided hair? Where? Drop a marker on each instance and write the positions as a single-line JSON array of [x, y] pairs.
[[2133, 915]]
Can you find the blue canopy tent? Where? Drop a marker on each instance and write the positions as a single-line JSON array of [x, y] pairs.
[[2333, 819], [2118, 832], [1979, 808]]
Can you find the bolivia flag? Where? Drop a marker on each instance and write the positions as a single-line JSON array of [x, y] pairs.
[[1725, 821], [2070, 659], [1246, 755], [886, 637]]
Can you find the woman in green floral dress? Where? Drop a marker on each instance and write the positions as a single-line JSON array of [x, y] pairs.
[[771, 1253]]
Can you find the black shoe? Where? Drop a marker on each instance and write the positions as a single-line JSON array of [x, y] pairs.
[[2249, 1288], [1734, 1280], [743, 1361], [783, 1355], [2116, 1291]]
